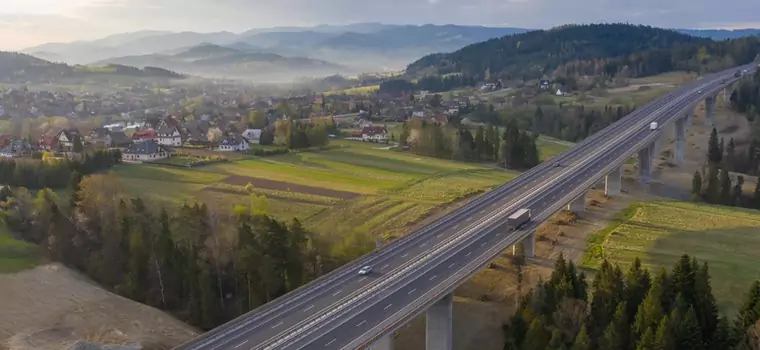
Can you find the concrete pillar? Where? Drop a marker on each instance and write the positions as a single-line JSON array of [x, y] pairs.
[[680, 141], [689, 117], [710, 110], [438, 335], [645, 164], [654, 150], [578, 205], [613, 182], [384, 343], [529, 245]]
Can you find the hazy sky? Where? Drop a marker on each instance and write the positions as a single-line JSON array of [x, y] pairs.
[[25, 23]]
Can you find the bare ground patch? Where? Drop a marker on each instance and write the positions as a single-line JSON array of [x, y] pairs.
[[50, 307], [288, 187]]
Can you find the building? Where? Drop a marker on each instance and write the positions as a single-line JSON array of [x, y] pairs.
[[67, 137], [144, 135], [375, 134], [233, 143], [117, 139], [169, 136], [146, 151], [252, 135]]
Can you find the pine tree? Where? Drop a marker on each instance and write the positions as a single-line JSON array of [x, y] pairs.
[[705, 306], [582, 342], [721, 337], [647, 341], [616, 336], [725, 188], [537, 336], [712, 194], [736, 192], [696, 186], [756, 197], [637, 282], [713, 148], [664, 337], [688, 334], [730, 161], [650, 311], [556, 341], [750, 310]]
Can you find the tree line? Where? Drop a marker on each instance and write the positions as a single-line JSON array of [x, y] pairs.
[[432, 83], [714, 184], [54, 173], [634, 310], [296, 134], [590, 50], [513, 148], [204, 266]]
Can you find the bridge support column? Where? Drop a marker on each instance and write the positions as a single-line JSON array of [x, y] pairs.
[[689, 118], [680, 141], [438, 335], [613, 182], [645, 164], [529, 245], [710, 102], [578, 205], [384, 343]]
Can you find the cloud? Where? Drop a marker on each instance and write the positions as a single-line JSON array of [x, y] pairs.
[[53, 20]]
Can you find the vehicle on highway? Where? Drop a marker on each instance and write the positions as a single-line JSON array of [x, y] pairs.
[[365, 270], [556, 164], [653, 126], [738, 74], [518, 218]]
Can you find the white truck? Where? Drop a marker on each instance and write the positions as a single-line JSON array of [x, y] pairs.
[[653, 126], [518, 218]]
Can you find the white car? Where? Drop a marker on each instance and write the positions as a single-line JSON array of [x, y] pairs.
[[365, 270]]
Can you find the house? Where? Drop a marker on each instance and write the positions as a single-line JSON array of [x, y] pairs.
[[560, 92], [68, 137], [233, 143], [143, 135], [169, 136], [252, 135], [375, 134], [7, 152], [117, 139], [47, 141], [440, 119], [98, 136], [146, 151]]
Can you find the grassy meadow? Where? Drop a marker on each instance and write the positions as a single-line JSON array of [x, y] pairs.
[[16, 255], [358, 186], [660, 232]]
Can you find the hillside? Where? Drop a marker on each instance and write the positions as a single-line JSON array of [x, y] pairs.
[[18, 67], [597, 49], [215, 61]]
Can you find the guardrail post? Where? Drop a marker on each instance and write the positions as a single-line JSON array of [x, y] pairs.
[[710, 110], [680, 141], [645, 164], [438, 335], [613, 182], [578, 205], [384, 343]]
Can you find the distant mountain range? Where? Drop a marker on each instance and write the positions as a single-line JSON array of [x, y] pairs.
[[302, 50], [213, 60]]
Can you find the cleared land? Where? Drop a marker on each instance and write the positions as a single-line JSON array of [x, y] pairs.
[[659, 232], [358, 186]]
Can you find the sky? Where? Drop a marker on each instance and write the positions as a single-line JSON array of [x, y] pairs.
[[25, 23]]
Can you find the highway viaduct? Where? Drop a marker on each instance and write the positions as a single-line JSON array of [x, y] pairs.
[[418, 273]]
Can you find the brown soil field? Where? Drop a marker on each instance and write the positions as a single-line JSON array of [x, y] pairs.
[[286, 186], [270, 196]]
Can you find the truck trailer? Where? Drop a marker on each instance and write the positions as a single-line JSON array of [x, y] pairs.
[[653, 126], [518, 218]]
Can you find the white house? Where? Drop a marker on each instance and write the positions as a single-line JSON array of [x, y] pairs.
[[375, 134], [146, 151], [169, 136], [7, 152], [66, 137], [233, 143], [252, 135]]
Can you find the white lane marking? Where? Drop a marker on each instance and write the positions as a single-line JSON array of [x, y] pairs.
[[468, 254], [432, 278], [452, 265], [422, 245], [309, 308], [362, 279], [438, 235], [482, 244], [482, 211], [361, 323], [468, 219], [405, 255], [457, 226], [241, 344], [277, 325], [338, 292], [412, 291], [387, 306], [386, 265], [331, 341]]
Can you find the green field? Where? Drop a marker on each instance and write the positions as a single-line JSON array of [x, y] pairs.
[[728, 239], [16, 255], [355, 187]]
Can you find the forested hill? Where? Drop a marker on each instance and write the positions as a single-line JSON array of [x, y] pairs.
[[587, 50], [18, 67]]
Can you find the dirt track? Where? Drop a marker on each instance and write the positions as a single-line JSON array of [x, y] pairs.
[[288, 187]]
